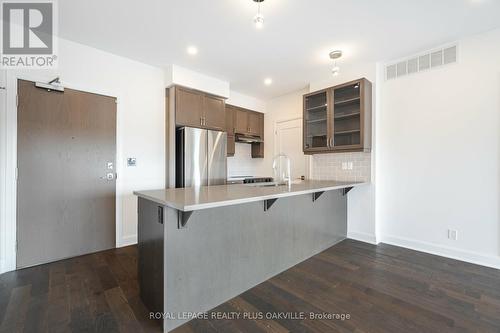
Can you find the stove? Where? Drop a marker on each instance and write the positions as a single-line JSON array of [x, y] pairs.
[[248, 180], [254, 180]]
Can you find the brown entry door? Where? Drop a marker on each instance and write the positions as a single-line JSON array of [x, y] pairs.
[[66, 148]]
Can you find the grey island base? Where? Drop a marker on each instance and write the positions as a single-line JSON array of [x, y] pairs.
[[200, 247]]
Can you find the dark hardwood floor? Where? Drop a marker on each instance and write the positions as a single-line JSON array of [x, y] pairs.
[[382, 288]]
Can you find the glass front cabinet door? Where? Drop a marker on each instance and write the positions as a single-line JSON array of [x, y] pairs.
[[338, 119], [317, 120]]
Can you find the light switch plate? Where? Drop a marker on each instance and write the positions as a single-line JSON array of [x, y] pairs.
[[131, 161]]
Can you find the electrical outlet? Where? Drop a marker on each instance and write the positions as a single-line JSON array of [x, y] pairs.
[[347, 165], [452, 234]]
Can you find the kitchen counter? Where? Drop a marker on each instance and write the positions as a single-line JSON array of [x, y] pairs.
[[190, 199], [200, 247]]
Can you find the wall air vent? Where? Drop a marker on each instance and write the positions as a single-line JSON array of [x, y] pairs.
[[421, 62]]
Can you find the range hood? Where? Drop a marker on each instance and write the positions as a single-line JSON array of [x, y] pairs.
[[244, 138]]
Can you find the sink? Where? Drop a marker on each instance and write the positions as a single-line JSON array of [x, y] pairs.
[[266, 184], [271, 184]]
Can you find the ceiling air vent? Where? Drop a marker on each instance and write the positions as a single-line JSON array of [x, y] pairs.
[[418, 63]]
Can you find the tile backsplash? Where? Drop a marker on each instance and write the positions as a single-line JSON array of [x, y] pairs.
[[330, 166], [242, 163]]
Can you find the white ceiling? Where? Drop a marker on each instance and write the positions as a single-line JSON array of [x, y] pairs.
[[293, 46]]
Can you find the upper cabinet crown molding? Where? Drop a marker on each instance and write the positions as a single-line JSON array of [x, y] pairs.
[[338, 119]]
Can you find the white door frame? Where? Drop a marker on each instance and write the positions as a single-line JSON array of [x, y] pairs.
[[8, 125], [276, 148]]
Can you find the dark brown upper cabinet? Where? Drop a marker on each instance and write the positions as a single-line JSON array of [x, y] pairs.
[[230, 110], [197, 109], [338, 119], [240, 121], [188, 107], [231, 145], [214, 113], [255, 123], [248, 122]]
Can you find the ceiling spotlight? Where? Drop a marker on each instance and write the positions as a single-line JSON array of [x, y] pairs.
[[192, 50], [258, 18], [335, 55], [268, 81]]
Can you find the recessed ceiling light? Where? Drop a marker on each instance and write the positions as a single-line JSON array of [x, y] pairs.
[[268, 81], [192, 50]]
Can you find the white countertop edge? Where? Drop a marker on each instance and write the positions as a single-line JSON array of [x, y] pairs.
[[224, 203]]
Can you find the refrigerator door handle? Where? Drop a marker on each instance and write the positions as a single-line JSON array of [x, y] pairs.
[[217, 160]]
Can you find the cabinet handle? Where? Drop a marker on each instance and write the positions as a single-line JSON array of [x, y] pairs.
[[327, 142], [332, 144]]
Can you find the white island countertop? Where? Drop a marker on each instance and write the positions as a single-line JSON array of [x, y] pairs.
[[204, 197]]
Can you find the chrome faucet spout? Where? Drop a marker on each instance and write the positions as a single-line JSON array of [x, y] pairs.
[[282, 176]]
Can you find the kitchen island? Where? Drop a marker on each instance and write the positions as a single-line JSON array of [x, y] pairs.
[[199, 247]]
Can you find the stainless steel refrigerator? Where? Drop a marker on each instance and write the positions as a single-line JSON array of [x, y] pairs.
[[200, 157]]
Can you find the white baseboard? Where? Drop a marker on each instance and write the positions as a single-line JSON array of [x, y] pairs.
[[128, 240], [444, 251], [3, 269], [362, 237]]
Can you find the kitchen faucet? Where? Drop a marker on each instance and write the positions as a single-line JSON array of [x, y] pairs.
[[282, 176]]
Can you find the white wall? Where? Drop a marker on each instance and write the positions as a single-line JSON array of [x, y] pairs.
[[245, 101], [361, 201], [242, 163], [140, 131], [438, 156], [3, 194], [282, 108], [278, 109], [175, 74]]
